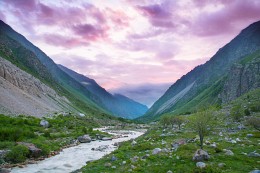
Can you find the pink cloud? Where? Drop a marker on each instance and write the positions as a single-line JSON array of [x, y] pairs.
[[2, 16], [63, 41], [119, 18], [26, 5], [225, 20], [90, 32], [161, 14]]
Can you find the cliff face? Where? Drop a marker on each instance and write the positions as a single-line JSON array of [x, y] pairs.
[[242, 78], [21, 93]]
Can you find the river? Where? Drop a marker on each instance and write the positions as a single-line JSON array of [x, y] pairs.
[[73, 158]]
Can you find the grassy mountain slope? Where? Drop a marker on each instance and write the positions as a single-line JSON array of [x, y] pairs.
[[19, 51], [202, 86], [117, 104]]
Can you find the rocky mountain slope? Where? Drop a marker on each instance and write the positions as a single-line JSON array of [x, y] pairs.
[[203, 86], [117, 104], [21, 93]]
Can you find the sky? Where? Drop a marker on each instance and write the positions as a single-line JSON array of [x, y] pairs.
[[133, 47]]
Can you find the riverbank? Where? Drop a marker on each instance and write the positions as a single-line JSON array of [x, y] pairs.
[[73, 158]]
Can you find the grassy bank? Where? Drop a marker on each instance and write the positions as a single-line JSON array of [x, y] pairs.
[[62, 131]]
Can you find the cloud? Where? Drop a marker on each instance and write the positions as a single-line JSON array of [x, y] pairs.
[[90, 32], [159, 15], [63, 41], [144, 93], [225, 20]]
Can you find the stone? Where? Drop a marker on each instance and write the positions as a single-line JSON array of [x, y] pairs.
[[114, 167], [233, 141], [101, 148], [221, 165], [113, 158], [67, 165], [84, 139], [133, 167], [108, 165], [249, 135], [200, 155], [81, 115], [229, 153], [124, 162], [238, 140], [3, 153], [106, 139], [34, 151], [2, 170], [156, 150], [146, 156], [201, 165], [169, 171], [134, 159], [214, 145], [220, 134], [253, 154], [133, 143], [255, 171], [44, 123]]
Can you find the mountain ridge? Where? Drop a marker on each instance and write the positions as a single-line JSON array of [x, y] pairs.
[[118, 104]]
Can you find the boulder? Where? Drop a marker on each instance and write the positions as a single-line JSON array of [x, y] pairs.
[[229, 153], [113, 158], [2, 170], [221, 165], [34, 151], [255, 171], [201, 165], [106, 139], [44, 123], [249, 135], [200, 155], [134, 159], [133, 143], [84, 139], [3, 153], [253, 154], [156, 150]]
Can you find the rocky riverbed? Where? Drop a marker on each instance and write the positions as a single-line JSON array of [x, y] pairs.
[[73, 158]]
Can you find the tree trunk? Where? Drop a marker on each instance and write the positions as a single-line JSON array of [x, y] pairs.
[[201, 141]]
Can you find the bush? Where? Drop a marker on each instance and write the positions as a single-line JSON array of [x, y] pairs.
[[254, 122], [17, 154]]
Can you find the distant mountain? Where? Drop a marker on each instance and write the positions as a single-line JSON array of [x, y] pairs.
[[232, 71], [119, 105]]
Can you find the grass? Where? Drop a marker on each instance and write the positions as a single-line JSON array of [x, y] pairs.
[[180, 161], [62, 130]]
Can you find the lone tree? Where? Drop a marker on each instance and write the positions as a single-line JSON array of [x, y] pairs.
[[201, 122], [165, 121]]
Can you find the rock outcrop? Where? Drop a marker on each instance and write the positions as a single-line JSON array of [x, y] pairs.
[[21, 93], [242, 78]]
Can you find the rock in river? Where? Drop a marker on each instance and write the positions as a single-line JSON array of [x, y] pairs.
[[84, 139]]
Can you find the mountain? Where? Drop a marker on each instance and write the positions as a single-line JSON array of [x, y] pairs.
[[91, 99], [31, 60], [119, 105], [224, 77]]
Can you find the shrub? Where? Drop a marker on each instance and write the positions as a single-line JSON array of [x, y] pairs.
[[17, 154], [254, 122]]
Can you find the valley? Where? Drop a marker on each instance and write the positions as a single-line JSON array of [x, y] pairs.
[[83, 104]]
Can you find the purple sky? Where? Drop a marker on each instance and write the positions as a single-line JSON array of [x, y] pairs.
[[130, 46]]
